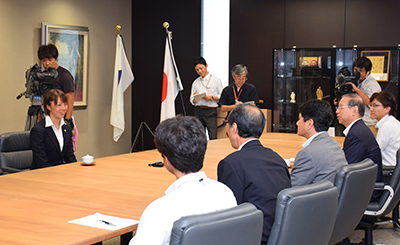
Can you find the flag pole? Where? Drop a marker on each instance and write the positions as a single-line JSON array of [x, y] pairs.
[[178, 78], [143, 124]]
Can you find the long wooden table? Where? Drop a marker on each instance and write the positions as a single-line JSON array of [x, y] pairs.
[[35, 206]]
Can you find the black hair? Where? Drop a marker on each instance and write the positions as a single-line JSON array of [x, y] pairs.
[[363, 62], [183, 141], [199, 60], [319, 111], [48, 51]]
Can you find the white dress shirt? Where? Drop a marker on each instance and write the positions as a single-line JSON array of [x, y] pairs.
[[309, 140], [346, 131], [191, 194], [388, 138], [210, 85], [57, 132]]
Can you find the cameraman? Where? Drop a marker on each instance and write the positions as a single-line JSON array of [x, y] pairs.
[[367, 85], [48, 55]]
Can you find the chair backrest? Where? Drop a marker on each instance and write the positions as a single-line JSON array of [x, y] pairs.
[[355, 183], [238, 225], [394, 182], [15, 151], [305, 215]]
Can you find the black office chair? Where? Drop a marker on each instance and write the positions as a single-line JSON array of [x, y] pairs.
[[355, 183], [15, 152], [387, 172], [234, 226], [387, 202], [304, 215]]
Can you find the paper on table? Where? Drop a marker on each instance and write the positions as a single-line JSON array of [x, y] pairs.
[[100, 221], [198, 97]]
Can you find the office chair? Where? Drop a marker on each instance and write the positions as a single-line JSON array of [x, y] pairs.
[[15, 152], [234, 226], [355, 184], [387, 202], [387, 172], [304, 215]]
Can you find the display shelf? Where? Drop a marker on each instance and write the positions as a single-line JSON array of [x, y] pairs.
[[299, 73]]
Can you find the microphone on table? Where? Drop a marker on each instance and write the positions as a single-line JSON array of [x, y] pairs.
[[156, 164]]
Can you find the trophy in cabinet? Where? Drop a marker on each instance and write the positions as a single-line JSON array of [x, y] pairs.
[[292, 97], [319, 93]]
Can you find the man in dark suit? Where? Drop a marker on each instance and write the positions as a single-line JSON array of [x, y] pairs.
[[254, 173], [360, 142]]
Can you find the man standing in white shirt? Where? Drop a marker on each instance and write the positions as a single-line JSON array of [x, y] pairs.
[[182, 143], [206, 107]]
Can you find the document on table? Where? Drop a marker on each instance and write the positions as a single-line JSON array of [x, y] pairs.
[[104, 222], [199, 97]]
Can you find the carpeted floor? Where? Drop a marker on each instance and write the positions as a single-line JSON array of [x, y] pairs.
[[382, 234]]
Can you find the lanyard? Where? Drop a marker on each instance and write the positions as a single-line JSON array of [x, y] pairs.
[[234, 91], [202, 83]]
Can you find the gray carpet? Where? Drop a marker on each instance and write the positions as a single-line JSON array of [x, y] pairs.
[[382, 234]]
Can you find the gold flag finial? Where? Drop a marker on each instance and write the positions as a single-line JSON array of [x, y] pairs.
[[166, 25], [119, 27]]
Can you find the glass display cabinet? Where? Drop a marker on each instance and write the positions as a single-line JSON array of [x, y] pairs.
[[299, 75], [304, 74]]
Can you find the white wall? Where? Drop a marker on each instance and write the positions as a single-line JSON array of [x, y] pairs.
[[20, 24]]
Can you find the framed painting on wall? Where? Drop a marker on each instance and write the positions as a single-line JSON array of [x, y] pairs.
[[380, 63], [72, 45]]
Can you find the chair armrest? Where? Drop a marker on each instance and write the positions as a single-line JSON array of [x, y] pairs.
[[384, 206], [379, 186]]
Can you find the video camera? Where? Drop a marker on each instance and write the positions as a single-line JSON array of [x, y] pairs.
[[37, 84], [344, 76]]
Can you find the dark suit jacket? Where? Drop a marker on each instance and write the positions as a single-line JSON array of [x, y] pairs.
[[360, 144], [45, 147], [256, 174]]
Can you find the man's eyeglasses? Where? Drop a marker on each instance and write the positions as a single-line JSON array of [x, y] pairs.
[[374, 105], [344, 106]]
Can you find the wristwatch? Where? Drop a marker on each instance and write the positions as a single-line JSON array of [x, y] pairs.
[[68, 120]]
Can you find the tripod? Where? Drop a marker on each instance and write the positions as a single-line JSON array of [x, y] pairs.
[[140, 130], [35, 112]]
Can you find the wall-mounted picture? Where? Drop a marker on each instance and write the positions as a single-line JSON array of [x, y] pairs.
[[380, 63], [308, 61], [72, 45]]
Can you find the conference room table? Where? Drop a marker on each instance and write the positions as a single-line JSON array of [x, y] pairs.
[[35, 206]]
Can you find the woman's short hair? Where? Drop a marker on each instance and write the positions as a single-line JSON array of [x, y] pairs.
[[53, 95], [387, 99]]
